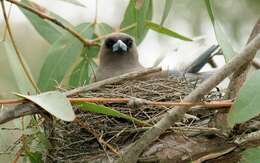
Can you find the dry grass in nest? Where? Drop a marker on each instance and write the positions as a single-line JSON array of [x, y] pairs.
[[70, 142]]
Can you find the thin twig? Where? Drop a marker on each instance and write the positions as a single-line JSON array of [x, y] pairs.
[[5, 29], [101, 100], [96, 134], [253, 136], [214, 155], [116, 79], [96, 13], [19, 55]]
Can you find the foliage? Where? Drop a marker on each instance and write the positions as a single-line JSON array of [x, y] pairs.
[[53, 102], [108, 111], [220, 34], [251, 155], [70, 63], [247, 102]]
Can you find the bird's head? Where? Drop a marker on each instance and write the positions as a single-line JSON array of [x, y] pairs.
[[118, 43]]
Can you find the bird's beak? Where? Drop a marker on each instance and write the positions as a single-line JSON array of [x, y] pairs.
[[119, 46]]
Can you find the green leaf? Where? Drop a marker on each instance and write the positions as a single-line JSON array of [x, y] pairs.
[[48, 30], [75, 2], [34, 157], [221, 36], [247, 103], [167, 8], [102, 29], [138, 16], [251, 155], [166, 31], [82, 73], [61, 56], [53, 102], [22, 82], [91, 107]]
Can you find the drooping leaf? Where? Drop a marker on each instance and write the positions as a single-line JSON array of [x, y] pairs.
[[48, 30], [138, 16], [221, 36], [53, 102], [82, 73], [75, 2], [91, 107], [167, 8], [61, 56], [166, 31], [247, 103], [251, 155], [23, 84]]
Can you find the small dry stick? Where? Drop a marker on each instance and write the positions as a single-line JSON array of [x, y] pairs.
[[101, 100], [214, 155], [116, 79], [96, 135]]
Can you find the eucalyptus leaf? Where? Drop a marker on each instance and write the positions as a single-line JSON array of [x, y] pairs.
[[48, 30], [250, 155], [91, 107], [138, 16], [61, 56], [167, 9], [220, 33], [166, 31], [82, 73], [247, 103], [53, 102], [23, 83]]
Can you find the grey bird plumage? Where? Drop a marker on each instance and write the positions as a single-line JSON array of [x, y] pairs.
[[118, 55]]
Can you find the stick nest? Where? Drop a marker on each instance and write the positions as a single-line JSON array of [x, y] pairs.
[[70, 142]]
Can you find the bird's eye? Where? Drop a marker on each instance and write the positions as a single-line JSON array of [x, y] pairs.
[[129, 42], [109, 43]]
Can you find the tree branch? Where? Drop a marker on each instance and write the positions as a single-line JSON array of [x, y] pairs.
[[239, 77], [133, 152]]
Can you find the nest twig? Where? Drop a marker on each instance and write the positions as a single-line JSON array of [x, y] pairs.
[[72, 142]]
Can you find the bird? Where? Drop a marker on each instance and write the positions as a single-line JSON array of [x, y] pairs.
[[118, 55]]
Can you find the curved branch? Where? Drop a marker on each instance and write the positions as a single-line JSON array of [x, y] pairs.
[[19, 111]]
